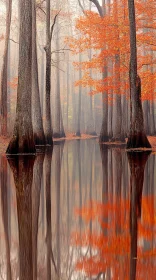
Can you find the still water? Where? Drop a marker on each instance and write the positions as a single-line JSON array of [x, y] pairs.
[[78, 212]]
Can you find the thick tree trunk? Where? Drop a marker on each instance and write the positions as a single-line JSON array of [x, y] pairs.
[[23, 140], [137, 137], [4, 72], [104, 137], [39, 136], [48, 124]]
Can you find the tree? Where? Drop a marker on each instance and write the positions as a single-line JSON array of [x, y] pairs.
[[59, 128], [4, 72], [23, 139], [39, 136], [137, 137], [48, 125], [108, 36]]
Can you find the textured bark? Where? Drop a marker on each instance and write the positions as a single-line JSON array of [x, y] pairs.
[[104, 136], [117, 131], [152, 119], [79, 110], [137, 137], [59, 127], [104, 129], [4, 72], [22, 168], [23, 141], [39, 136], [48, 125]]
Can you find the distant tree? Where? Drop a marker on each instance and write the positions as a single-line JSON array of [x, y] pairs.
[[23, 139], [4, 72], [137, 137], [38, 131]]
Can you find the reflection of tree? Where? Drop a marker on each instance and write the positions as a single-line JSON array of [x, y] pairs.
[[22, 168], [58, 158], [48, 159], [116, 251], [4, 204], [36, 188], [137, 163]]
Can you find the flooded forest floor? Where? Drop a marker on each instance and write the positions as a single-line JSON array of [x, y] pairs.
[[70, 136]]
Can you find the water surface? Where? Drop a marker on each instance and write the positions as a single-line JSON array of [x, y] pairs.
[[78, 212]]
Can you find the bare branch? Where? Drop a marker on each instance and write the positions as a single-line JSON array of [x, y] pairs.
[[82, 8], [40, 8], [52, 27], [13, 41], [99, 8], [58, 67]]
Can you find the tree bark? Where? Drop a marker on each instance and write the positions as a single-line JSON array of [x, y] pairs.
[[23, 141], [4, 72], [137, 137], [39, 136], [48, 124]]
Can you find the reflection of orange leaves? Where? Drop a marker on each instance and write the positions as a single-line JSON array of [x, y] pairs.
[[110, 246]]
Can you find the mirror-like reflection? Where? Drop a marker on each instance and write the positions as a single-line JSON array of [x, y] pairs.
[[81, 211]]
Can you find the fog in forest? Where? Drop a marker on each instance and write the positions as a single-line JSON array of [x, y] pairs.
[[77, 139]]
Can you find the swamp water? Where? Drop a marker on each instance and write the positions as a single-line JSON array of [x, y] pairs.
[[78, 212]]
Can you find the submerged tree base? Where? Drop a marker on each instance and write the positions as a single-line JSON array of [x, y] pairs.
[[118, 139], [78, 134], [103, 138], [39, 139], [49, 140], [138, 140], [21, 146], [59, 135], [93, 133]]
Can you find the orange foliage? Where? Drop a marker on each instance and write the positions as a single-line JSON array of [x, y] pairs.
[[108, 37]]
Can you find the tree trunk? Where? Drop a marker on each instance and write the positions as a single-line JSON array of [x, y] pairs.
[[48, 125], [79, 111], [118, 131], [137, 137], [4, 79], [23, 140], [104, 137], [39, 136]]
